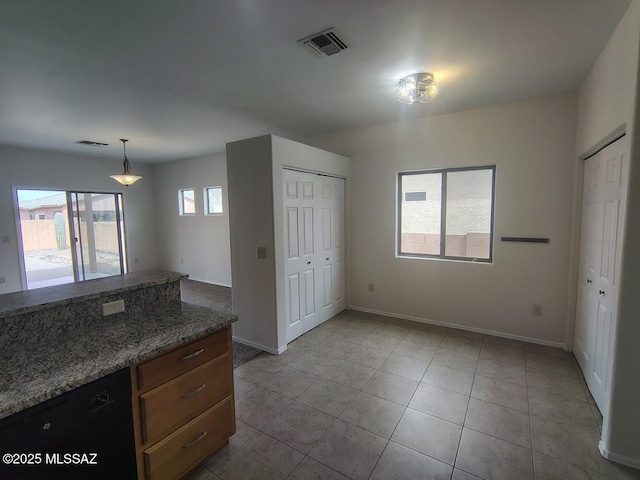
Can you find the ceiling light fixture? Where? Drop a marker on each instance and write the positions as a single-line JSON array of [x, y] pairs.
[[417, 88], [126, 178]]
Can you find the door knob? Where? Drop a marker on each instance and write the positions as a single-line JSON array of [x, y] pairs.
[[601, 292], [588, 280], [327, 259], [308, 263]]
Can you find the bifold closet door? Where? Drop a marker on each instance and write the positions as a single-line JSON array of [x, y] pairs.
[[604, 193], [301, 256], [339, 247], [332, 237], [314, 249], [583, 341]]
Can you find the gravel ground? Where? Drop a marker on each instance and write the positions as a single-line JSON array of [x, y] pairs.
[[107, 263], [62, 257]]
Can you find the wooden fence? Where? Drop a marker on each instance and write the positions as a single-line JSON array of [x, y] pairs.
[[41, 235]]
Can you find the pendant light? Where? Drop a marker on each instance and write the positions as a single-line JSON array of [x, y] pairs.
[[126, 178]]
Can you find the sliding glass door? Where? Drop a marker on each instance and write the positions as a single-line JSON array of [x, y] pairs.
[[70, 236], [97, 234]]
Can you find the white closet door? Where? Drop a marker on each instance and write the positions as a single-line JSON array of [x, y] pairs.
[[325, 237], [339, 248], [301, 260], [584, 341], [603, 208], [315, 245], [609, 219]]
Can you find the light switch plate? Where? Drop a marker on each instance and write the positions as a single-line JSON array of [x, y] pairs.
[[112, 308]]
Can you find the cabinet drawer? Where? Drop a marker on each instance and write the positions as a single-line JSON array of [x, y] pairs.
[[171, 364], [174, 403], [177, 454]]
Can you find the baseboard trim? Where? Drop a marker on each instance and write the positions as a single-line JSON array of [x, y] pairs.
[[460, 327], [260, 346], [209, 282], [621, 459]]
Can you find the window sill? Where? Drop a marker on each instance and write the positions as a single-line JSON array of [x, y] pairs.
[[439, 259]]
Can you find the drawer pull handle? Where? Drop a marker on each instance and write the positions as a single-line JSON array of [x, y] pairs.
[[202, 435], [193, 355], [197, 390]]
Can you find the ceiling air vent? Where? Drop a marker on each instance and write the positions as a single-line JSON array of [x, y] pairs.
[[325, 43], [91, 143]]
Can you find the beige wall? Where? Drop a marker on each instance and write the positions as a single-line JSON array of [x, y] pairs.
[[194, 244], [251, 225], [532, 144]]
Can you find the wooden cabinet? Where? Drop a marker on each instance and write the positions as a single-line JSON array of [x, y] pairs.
[[185, 448], [183, 407]]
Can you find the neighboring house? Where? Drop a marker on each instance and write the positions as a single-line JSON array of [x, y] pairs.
[[37, 220], [43, 208]]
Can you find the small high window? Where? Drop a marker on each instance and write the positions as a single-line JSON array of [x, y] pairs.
[[186, 202], [415, 196], [213, 201]]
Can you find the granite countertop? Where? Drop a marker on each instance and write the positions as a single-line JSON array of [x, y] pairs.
[[27, 301], [43, 368]]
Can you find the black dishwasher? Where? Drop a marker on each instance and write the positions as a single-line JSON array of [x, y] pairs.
[[81, 434]]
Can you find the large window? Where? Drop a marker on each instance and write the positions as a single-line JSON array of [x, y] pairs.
[[446, 213]]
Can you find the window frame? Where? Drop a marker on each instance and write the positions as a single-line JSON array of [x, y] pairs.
[[181, 211], [206, 204], [443, 216]]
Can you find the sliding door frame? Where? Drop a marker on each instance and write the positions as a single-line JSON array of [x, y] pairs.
[[120, 219], [76, 236]]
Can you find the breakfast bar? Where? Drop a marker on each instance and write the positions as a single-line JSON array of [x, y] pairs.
[[56, 340]]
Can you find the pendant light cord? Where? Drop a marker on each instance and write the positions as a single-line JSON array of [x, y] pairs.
[[125, 162]]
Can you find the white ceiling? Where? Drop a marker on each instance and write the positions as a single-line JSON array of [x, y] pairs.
[[181, 79]]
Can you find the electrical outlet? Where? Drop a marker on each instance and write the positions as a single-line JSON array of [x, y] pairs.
[[112, 308], [372, 287], [537, 309], [261, 252], [5, 239], [2, 280]]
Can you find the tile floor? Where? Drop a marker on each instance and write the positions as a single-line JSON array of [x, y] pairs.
[[370, 397]]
